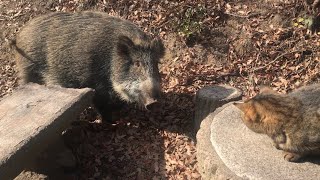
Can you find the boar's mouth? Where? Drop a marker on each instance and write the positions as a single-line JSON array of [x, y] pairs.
[[149, 103]]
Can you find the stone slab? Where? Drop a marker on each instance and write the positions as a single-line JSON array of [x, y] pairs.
[[31, 118], [252, 156], [209, 98], [210, 165]]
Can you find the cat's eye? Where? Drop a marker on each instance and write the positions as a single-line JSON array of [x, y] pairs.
[[258, 118], [247, 119]]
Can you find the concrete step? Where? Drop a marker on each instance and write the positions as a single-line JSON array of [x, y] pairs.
[[33, 117]]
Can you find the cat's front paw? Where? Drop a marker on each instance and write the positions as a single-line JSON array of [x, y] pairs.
[[291, 157]]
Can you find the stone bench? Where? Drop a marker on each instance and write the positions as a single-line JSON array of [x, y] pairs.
[[33, 117], [227, 149]]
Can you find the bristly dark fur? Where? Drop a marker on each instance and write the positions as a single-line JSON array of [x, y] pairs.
[[291, 120]]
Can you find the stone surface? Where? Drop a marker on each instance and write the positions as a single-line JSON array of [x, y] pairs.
[[55, 162], [31, 118], [210, 98], [210, 165], [252, 156], [28, 175]]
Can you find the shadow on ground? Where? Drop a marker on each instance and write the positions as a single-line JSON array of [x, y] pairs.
[[140, 145]]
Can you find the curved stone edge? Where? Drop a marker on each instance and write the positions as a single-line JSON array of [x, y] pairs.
[[210, 165], [209, 98], [250, 155]]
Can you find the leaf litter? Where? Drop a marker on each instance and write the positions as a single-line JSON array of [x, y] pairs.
[[245, 45]]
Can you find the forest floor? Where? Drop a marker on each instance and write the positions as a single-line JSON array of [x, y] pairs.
[[241, 43]]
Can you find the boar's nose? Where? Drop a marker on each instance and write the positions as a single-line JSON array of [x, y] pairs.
[[151, 104]]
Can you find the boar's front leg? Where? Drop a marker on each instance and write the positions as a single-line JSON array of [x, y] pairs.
[[102, 104], [108, 109]]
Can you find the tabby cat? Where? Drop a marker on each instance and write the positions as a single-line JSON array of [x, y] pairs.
[[291, 120]]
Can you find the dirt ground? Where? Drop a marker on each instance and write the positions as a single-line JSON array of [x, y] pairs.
[[244, 44]]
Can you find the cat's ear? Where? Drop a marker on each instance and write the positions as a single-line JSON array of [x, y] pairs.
[[267, 90], [241, 105]]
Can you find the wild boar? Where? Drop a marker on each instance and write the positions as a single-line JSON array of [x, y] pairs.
[[91, 49]]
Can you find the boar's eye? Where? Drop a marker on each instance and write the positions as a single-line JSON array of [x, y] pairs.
[[137, 63]]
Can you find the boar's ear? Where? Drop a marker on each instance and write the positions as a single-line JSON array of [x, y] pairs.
[[124, 45], [158, 47]]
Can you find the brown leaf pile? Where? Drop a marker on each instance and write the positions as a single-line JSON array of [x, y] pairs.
[[245, 45]]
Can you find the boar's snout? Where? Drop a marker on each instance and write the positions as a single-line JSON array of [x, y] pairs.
[[152, 97], [151, 104], [150, 94]]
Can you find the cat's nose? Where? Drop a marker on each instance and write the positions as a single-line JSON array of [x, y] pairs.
[[276, 146]]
